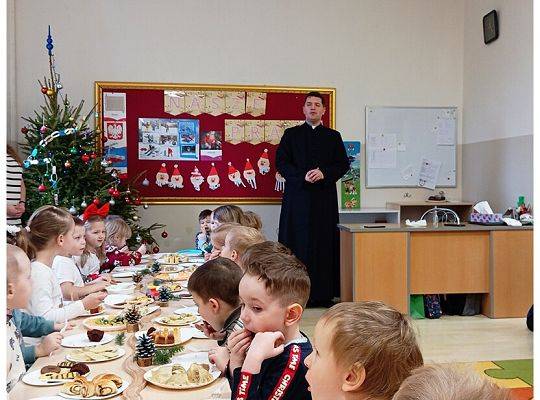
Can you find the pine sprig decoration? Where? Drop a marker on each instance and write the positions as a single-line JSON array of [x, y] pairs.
[[155, 267], [132, 315], [120, 338], [137, 277], [163, 356], [145, 346], [165, 293]]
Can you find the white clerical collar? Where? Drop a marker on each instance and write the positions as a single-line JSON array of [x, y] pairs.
[[314, 126]]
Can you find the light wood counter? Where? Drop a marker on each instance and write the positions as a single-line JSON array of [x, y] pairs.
[[391, 263]]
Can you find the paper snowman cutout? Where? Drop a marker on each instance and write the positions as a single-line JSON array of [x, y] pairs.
[[196, 179], [280, 183], [177, 181], [162, 177], [234, 176], [249, 174], [213, 179], [264, 163]]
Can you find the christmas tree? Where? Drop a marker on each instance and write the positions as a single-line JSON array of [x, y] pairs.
[[65, 165]]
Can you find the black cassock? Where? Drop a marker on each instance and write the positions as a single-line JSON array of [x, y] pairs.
[[309, 211]]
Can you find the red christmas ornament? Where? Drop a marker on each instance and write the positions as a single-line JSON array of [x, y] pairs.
[[164, 234], [42, 188], [96, 201], [44, 89], [85, 158], [111, 191], [93, 155], [138, 201], [116, 193], [24, 130], [155, 249], [67, 164]]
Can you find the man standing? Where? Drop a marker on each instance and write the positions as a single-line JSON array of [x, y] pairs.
[[312, 159]]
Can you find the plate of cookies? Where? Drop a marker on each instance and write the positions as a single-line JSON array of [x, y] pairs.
[[185, 318], [125, 300], [174, 276], [172, 258], [92, 337], [106, 323], [188, 371], [51, 375], [103, 386], [95, 354], [166, 337]]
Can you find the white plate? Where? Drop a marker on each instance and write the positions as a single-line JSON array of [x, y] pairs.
[[121, 352], [113, 299], [124, 386], [185, 335], [159, 320], [32, 379], [81, 340], [121, 288], [127, 274], [131, 268], [194, 333], [191, 309], [186, 360], [150, 310]]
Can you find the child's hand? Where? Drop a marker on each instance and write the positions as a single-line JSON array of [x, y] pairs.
[[99, 286], [49, 344], [264, 345], [93, 300], [209, 332], [142, 249], [219, 357], [58, 326], [238, 343], [214, 254], [206, 256]]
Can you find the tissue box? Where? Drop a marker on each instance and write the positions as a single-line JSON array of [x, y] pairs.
[[486, 219]]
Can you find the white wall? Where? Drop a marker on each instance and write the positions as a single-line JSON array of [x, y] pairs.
[[374, 52], [498, 104]]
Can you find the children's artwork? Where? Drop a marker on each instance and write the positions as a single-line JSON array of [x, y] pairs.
[[264, 163], [234, 131], [249, 174], [177, 181], [256, 103], [211, 143], [254, 131], [188, 129], [158, 139], [280, 183], [235, 103], [213, 179], [196, 179], [350, 183], [174, 102], [215, 102], [162, 177], [234, 176]]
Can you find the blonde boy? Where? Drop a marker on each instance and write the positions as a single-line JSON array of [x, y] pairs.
[[217, 238], [437, 382], [238, 239], [266, 358], [361, 351]]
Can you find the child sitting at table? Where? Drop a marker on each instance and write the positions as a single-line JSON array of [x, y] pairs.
[[267, 356], [18, 323], [67, 273], [226, 214], [252, 220], [217, 238], [237, 240], [93, 255], [202, 238], [361, 350], [50, 231], [214, 287], [116, 249], [439, 382]]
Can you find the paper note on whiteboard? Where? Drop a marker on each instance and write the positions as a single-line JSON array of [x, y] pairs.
[[429, 173], [445, 130], [382, 152]]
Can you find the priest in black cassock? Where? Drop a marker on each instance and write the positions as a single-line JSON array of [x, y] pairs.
[[312, 158]]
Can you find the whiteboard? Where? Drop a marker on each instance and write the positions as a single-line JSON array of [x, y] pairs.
[[399, 138]]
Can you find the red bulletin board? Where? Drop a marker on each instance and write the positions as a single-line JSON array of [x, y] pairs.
[[146, 100]]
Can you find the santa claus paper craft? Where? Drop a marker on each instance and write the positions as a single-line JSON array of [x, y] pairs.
[[196, 179], [162, 177], [234, 176], [280, 183], [177, 181], [264, 163], [213, 179], [249, 174]]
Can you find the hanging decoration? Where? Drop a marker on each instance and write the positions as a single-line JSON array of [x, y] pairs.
[[234, 175], [249, 174], [196, 179], [213, 179], [177, 181], [280, 183], [162, 177], [264, 163]]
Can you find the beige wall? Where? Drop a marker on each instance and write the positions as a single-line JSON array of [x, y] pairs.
[[498, 104], [374, 52]]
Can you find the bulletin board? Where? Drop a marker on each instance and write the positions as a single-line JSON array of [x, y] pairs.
[[190, 143], [400, 139]]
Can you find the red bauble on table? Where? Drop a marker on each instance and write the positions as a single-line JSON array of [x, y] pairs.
[[155, 250], [96, 201], [164, 234]]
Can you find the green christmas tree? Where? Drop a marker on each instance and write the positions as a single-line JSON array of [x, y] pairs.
[[65, 165]]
